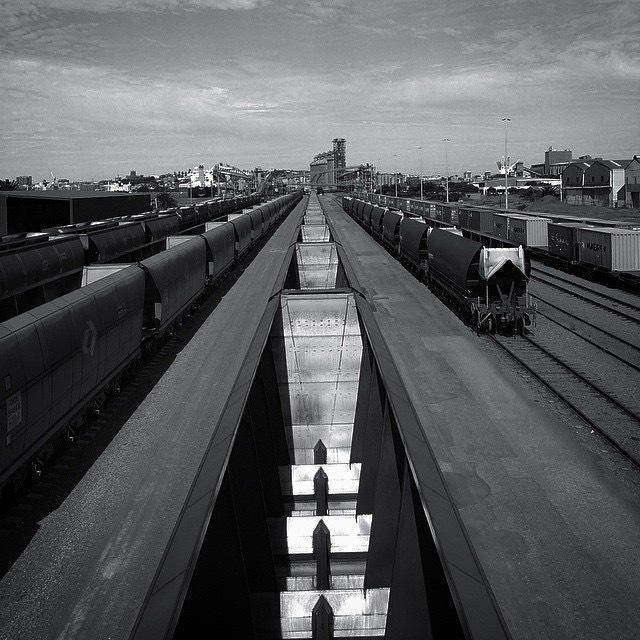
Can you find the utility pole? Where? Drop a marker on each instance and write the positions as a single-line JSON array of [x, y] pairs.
[[506, 165], [421, 195], [395, 177], [446, 164]]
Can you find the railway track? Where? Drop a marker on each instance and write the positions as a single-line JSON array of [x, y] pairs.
[[623, 350], [623, 306], [614, 421]]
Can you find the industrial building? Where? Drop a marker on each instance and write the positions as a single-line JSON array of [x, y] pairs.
[[328, 167], [23, 211], [609, 183]]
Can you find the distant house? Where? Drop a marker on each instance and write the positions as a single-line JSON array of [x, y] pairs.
[[632, 183], [604, 183], [573, 181], [609, 183]]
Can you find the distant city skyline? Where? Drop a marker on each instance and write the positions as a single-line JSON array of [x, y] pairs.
[[93, 89]]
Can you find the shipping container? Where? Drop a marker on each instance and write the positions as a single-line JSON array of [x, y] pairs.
[[610, 249], [528, 231], [463, 218], [478, 220], [500, 226], [562, 239]]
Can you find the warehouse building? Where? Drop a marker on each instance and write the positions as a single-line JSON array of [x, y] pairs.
[[22, 211]]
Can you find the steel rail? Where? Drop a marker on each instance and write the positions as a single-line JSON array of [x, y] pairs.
[[587, 322], [602, 431], [581, 296], [587, 288]]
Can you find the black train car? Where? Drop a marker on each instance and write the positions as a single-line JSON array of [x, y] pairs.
[[491, 283], [58, 356], [36, 270]]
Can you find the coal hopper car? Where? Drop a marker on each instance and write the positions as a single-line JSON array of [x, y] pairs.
[[490, 283]]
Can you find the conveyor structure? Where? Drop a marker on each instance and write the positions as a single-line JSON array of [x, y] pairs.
[[324, 523]]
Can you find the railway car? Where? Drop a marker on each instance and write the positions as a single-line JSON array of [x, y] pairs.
[[376, 227], [174, 279], [60, 360], [257, 223], [37, 269], [157, 226], [515, 228], [491, 283], [220, 239], [391, 230], [413, 243], [187, 216], [242, 225]]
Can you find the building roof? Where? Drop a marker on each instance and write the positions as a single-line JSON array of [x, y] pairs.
[[581, 164], [612, 165], [69, 195]]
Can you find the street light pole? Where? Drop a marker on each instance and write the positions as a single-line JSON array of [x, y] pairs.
[[506, 165], [395, 176], [446, 164], [421, 195]]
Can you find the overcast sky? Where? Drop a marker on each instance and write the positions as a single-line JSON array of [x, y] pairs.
[[93, 88]]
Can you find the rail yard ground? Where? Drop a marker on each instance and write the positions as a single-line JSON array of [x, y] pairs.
[[549, 204]]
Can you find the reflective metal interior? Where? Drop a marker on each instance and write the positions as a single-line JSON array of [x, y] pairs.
[[317, 265], [317, 351]]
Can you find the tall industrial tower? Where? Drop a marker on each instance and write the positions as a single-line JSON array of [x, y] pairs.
[[339, 153]]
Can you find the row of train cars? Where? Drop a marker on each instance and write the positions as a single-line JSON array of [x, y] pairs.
[[125, 284], [490, 283], [590, 243]]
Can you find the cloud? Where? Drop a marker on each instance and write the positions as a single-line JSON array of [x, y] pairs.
[[106, 6]]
